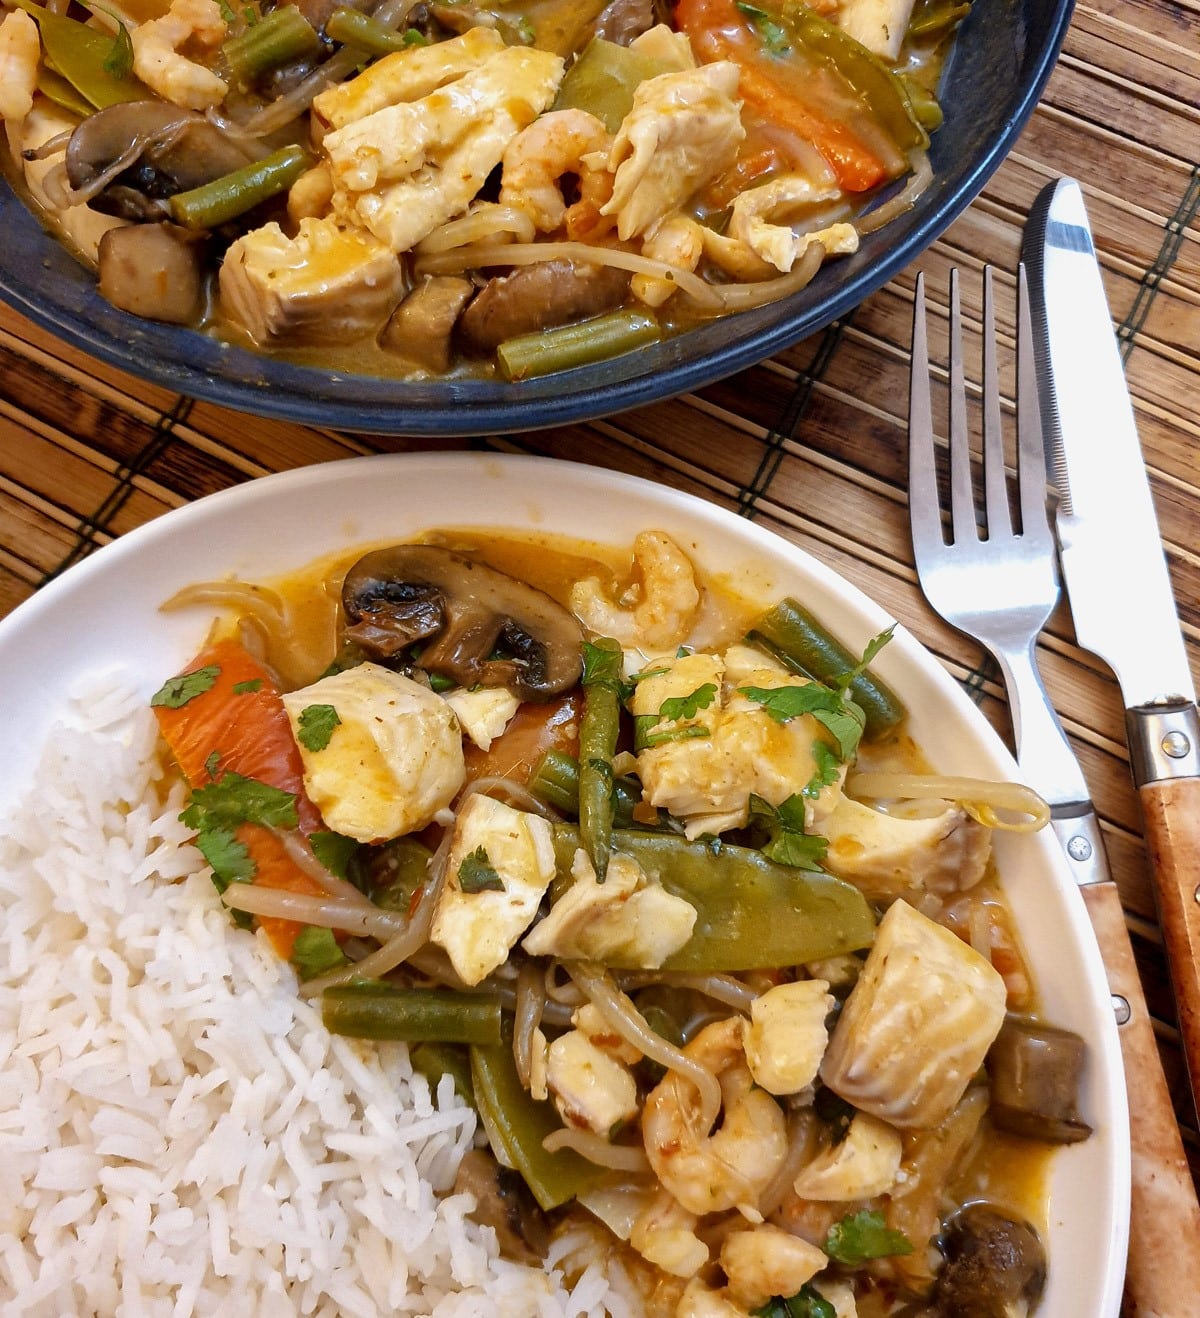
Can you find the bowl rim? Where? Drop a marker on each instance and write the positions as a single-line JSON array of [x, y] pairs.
[[353, 502], [51, 290]]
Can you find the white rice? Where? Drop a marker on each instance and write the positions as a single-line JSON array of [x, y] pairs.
[[179, 1134]]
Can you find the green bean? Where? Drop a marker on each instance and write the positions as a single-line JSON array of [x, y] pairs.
[[93, 62], [862, 69], [434, 1060], [516, 1125], [555, 780], [397, 870], [579, 344], [935, 18], [383, 1011], [751, 914], [603, 79], [283, 35], [791, 632], [354, 28], [924, 103], [597, 745], [226, 198]]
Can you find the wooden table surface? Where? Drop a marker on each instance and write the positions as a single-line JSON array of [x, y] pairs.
[[810, 444]]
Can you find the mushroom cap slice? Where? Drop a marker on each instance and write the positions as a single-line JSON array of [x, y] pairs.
[[465, 611]]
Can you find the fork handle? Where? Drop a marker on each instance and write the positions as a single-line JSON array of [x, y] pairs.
[[1163, 1274]]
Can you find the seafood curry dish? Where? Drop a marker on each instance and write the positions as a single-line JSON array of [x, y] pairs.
[[421, 187], [656, 874]]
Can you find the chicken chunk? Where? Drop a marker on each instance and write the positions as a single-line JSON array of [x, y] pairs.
[[862, 1165], [332, 283], [485, 713], [591, 1088], [683, 130], [382, 754], [888, 855], [768, 220], [20, 56], [412, 164], [786, 1037], [626, 916], [500, 864]]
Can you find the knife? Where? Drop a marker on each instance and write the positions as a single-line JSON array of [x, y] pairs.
[[1119, 591]]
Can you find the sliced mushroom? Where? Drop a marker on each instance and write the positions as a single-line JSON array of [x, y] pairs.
[[539, 297], [993, 1264], [503, 1202], [421, 327], [153, 270], [134, 154], [623, 21], [465, 611], [1035, 1071]]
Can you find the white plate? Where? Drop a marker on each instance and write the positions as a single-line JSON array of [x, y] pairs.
[[104, 613]]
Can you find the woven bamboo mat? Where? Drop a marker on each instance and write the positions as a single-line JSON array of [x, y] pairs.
[[810, 444]]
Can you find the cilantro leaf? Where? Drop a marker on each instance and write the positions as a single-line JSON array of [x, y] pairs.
[[874, 645], [316, 725], [229, 859], [602, 667], [234, 799], [788, 843], [832, 709], [772, 34], [247, 687], [677, 707], [175, 692], [212, 764], [808, 1302], [315, 951], [477, 874], [862, 1236], [825, 774], [644, 738], [334, 850]]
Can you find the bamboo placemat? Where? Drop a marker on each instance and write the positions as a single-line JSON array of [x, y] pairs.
[[810, 444]]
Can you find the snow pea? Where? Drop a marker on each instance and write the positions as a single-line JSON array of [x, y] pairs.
[[516, 1125], [90, 60], [751, 914]]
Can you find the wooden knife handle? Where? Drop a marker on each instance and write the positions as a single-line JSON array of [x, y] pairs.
[[1162, 1279], [1171, 808]]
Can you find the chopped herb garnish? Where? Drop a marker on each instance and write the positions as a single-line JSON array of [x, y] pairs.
[[683, 652], [216, 811], [248, 687], [212, 764], [772, 34], [874, 645], [315, 951], [826, 770], [334, 850], [316, 725], [788, 843], [862, 1236], [832, 709], [678, 707], [808, 1302], [646, 673], [477, 874], [175, 692], [415, 37], [644, 738], [601, 665], [439, 682]]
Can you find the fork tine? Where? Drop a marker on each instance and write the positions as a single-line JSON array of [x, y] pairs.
[[995, 479], [1031, 454], [962, 495], [924, 513]]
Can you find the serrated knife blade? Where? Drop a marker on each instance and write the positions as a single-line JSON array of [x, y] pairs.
[[1113, 565]]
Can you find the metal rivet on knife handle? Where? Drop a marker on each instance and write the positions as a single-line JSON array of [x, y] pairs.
[[1164, 741], [1121, 1009]]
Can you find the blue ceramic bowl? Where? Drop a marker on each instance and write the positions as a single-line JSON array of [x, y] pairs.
[[1003, 56]]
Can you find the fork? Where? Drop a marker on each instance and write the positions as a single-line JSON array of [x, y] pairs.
[[999, 585]]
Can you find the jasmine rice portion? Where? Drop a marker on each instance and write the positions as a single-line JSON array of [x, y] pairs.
[[179, 1134]]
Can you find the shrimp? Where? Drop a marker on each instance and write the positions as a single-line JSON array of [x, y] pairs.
[[20, 53], [767, 1261], [664, 604], [535, 162], [731, 1166], [156, 58]]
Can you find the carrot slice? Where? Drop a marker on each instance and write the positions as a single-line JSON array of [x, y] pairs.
[[719, 32], [239, 719]]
